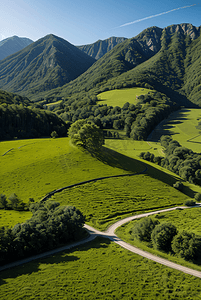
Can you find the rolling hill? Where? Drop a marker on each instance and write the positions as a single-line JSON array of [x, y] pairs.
[[12, 45], [48, 63]]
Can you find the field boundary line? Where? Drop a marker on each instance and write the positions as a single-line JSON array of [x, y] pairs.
[[88, 181]]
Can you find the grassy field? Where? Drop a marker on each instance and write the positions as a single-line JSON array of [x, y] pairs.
[[97, 270], [181, 125], [120, 97], [133, 148], [36, 167], [187, 219], [104, 202]]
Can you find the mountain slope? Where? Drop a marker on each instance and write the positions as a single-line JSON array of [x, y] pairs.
[[48, 63], [161, 58], [12, 45], [101, 47]]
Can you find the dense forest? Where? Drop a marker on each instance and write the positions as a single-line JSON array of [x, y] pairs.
[[50, 226], [19, 118]]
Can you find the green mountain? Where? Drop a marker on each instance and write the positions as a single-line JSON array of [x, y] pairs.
[[101, 47], [48, 63], [166, 59], [12, 45]]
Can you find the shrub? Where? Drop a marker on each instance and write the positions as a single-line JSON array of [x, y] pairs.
[[190, 203], [143, 229], [187, 245], [178, 185], [197, 197], [162, 236]]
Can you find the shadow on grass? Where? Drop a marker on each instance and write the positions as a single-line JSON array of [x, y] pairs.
[[62, 257], [116, 159]]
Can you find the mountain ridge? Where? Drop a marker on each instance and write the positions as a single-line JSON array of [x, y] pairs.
[[45, 64], [12, 45]]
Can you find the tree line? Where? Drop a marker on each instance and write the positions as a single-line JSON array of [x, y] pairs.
[[19, 121], [50, 226], [165, 237], [180, 160], [136, 120]]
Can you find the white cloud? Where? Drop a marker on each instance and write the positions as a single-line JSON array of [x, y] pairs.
[[150, 17]]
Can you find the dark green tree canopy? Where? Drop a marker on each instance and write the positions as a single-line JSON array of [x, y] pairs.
[[86, 134]]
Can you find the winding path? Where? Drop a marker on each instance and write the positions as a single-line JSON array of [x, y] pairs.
[[110, 234]]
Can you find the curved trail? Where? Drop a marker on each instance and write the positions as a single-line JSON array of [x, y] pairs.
[[110, 234], [88, 181]]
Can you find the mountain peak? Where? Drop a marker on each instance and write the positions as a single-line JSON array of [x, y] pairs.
[[45, 64]]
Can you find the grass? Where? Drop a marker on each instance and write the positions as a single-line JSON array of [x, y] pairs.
[[181, 125], [104, 202], [120, 97], [133, 148], [97, 270], [187, 220], [36, 167]]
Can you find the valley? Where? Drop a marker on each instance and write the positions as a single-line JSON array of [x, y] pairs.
[[134, 91]]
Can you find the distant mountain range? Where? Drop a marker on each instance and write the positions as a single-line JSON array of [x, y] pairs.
[[12, 45], [101, 47], [169, 60], [43, 65]]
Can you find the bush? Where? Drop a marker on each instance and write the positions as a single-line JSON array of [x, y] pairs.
[[178, 185], [162, 236], [54, 134], [143, 229], [187, 245], [190, 203], [197, 197]]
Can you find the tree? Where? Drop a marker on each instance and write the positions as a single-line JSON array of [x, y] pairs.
[[162, 236], [143, 229], [186, 245], [197, 197], [3, 201], [54, 134], [86, 134]]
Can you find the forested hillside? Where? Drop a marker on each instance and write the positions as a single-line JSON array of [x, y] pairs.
[[48, 63], [19, 118], [12, 45], [156, 58]]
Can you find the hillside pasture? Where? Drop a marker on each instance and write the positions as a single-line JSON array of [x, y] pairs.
[[33, 168], [97, 270], [121, 96], [184, 219], [104, 202], [132, 149], [181, 125]]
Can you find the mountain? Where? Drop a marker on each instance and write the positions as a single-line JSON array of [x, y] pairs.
[[101, 47], [48, 63], [169, 60], [12, 45]]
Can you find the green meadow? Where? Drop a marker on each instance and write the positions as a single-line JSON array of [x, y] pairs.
[[120, 97], [34, 168], [106, 201], [181, 125], [184, 220], [97, 270]]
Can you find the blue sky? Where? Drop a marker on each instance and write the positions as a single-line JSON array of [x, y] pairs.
[[85, 21]]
